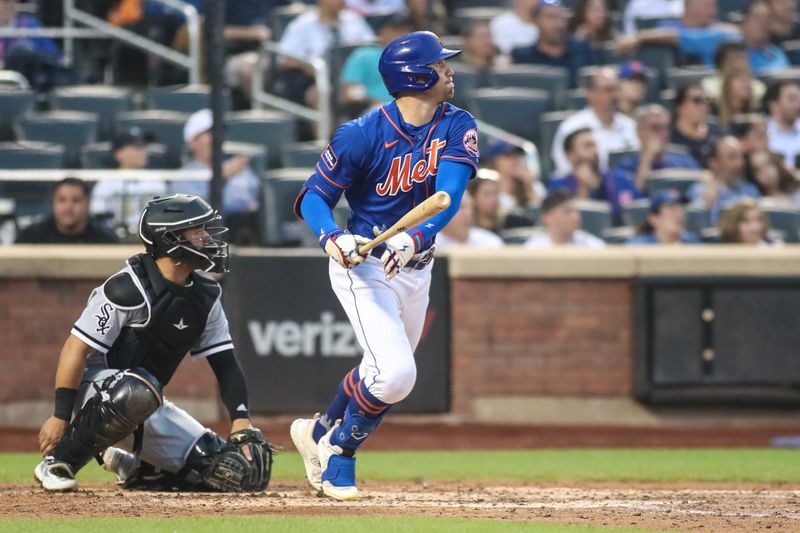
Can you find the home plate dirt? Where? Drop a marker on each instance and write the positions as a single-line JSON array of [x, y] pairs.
[[685, 507]]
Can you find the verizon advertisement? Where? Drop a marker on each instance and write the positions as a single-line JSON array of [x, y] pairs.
[[294, 341]]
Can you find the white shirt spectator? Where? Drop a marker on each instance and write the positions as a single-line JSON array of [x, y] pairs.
[[478, 238], [311, 38], [638, 9], [621, 135], [579, 238], [509, 32], [124, 198], [376, 7], [785, 143]]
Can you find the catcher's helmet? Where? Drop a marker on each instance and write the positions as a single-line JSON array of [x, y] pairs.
[[161, 229], [403, 64]]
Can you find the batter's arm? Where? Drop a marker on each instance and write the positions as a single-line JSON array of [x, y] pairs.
[[71, 364], [452, 178]]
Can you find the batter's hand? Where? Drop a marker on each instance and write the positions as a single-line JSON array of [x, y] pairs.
[[52, 431], [399, 251], [343, 247]]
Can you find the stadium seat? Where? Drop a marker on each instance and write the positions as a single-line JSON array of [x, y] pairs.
[[183, 98], [302, 155], [697, 219], [792, 49], [615, 157], [554, 80], [104, 100], [658, 58], [462, 17], [729, 6], [648, 23], [31, 198], [710, 235], [783, 218], [98, 155], [14, 102], [466, 78], [521, 217], [280, 226], [576, 99], [519, 235], [257, 153], [635, 213], [548, 125], [595, 216], [678, 76], [72, 129], [515, 110], [272, 129], [678, 179], [166, 128], [618, 235]]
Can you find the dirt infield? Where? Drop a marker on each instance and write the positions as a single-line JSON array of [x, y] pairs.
[[705, 508]]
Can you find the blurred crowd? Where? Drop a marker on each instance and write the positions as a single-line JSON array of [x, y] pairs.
[[638, 158]]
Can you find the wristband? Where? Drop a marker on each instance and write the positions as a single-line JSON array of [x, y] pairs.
[[65, 401]]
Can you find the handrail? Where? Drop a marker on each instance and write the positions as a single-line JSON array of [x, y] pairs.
[[48, 175], [530, 149], [322, 116], [191, 62], [56, 33]]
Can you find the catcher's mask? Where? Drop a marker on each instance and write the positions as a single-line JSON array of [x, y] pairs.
[[162, 229]]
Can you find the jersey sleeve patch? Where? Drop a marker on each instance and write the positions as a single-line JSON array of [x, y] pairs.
[[470, 142], [329, 158]]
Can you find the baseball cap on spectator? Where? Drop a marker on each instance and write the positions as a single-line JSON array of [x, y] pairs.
[[498, 147], [133, 136], [665, 197], [199, 122], [632, 70]]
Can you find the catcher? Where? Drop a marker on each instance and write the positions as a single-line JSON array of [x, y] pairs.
[[124, 349]]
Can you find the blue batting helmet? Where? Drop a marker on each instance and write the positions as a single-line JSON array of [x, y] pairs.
[[403, 64]]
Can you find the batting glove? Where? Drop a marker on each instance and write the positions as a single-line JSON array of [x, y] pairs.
[[399, 251], [343, 247]]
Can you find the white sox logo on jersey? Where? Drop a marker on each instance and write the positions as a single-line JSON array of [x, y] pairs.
[[401, 177], [102, 319]]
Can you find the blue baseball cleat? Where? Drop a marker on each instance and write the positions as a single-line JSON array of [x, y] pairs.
[[338, 471]]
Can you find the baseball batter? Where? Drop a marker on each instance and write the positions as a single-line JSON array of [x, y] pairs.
[[136, 329], [385, 163]]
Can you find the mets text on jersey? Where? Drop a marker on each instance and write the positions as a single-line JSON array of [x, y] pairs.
[[402, 177]]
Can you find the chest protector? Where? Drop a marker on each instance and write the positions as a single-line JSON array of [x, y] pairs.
[[177, 317]]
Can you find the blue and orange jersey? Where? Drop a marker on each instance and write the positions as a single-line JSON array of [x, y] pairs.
[[385, 167]]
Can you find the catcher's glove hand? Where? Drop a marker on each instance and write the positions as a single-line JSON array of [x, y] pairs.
[[231, 471]]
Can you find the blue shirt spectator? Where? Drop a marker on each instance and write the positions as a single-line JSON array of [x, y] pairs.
[[702, 43], [665, 222], [362, 68], [40, 45], [630, 163], [756, 32]]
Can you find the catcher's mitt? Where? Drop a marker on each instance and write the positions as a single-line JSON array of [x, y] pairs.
[[231, 471]]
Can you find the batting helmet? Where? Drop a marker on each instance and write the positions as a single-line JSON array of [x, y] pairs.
[[161, 230], [404, 63]]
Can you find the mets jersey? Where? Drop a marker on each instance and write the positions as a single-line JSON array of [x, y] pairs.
[[385, 167]]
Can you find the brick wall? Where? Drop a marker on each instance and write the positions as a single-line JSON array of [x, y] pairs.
[[540, 338], [35, 318]]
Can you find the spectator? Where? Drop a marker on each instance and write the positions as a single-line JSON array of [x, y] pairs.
[[515, 28], [745, 223], [690, 126], [461, 232], [123, 199], [519, 186], [751, 130], [428, 15], [362, 84], [312, 35], [591, 22], [763, 55], [665, 222], [726, 184], [240, 200], [652, 127], [485, 194], [38, 59], [479, 50], [782, 102], [650, 9], [587, 181], [730, 55], [696, 35], [555, 46], [768, 172], [562, 222], [632, 87], [612, 130], [737, 95], [783, 21], [70, 222], [367, 8]]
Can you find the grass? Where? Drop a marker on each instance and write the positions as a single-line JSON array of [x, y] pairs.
[[364, 524], [615, 465]]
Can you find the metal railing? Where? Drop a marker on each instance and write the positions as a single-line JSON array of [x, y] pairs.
[[322, 116], [531, 152], [190, 61]]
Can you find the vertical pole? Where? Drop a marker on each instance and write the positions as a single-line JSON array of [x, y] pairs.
[[215, 57]]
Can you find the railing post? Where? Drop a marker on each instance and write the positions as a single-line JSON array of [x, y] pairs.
[[69, 42]]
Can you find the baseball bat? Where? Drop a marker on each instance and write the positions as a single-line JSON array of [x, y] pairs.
[[433, 205]]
